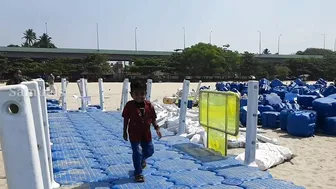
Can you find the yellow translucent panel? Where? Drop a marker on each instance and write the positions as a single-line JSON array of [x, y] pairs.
[[217, 141], [219, 115], [232, 114], [203, 108], [220, 110]]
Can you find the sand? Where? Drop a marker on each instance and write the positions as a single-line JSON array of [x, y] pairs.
[[314, 166]]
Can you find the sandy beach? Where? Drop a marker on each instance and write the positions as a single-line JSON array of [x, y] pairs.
[[314, 166]]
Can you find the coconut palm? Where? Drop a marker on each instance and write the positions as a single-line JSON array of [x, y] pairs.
[[44, 41], [30, 37]]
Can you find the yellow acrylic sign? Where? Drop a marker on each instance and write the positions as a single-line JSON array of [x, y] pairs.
[[219, 115]]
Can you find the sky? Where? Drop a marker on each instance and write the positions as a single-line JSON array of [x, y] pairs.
[[72, 23]]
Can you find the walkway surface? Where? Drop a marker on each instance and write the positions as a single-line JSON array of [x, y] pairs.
[[88, 152]]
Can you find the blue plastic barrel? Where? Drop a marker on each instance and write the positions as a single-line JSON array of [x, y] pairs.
[[301, 123]]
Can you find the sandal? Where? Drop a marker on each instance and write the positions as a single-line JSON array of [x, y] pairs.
[[139, 178], [143, 164]]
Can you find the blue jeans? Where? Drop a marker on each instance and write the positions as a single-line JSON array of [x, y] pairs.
[[140, 155]]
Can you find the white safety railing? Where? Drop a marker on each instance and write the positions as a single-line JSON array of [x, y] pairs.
[[251, 126], [18, 139], [149, 89], [35, 100], [45, 118], [101, 94], [183, 107], [63, 94], [83, 94], [124, 94]]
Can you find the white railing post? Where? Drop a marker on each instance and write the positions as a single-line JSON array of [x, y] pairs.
[[183, 107], [79, 87], [86, 91], [18, 139], [83, 95], [149, 89], [101, 93], [124, 94], [35, 101], [251, 126], [197, 91], [63, 94], [45, 118]]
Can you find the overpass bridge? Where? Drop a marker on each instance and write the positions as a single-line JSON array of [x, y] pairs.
[[114, 55]]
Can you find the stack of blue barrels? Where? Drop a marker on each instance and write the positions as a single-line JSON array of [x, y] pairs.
[[299, 109]]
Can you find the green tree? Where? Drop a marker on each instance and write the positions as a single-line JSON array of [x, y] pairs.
[[282, 71], [316, 51], [96, 66], [30, 37], [44, 41]]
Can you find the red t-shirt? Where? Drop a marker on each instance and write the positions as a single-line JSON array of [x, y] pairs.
[[139, 126]]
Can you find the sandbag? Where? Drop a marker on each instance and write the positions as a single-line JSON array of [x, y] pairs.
[[326, 107], [301, 123], [330, 126], [270, 120], [269, 155]]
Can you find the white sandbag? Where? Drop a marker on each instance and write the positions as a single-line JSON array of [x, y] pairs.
[[269, 155], [196, 139], [236, 141]]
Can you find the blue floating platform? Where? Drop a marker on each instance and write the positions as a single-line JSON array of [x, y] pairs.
[[104, 151], [88, 151], [115, 159], [124, 171], [152, 182], [75, 176], [196, 178], [214, 165], [62, 140], [165, 155], [74, 163], [269, 183], [61, 155], [243, 173], [69, 146], [165, 168]]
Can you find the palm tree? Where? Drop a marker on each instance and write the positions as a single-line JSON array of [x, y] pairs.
[[30, 37], [44, 42]]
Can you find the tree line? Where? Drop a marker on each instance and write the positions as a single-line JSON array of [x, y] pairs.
[[210, 60], [199, 60]]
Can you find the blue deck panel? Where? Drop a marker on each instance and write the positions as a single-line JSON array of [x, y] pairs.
[[89, 152]]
